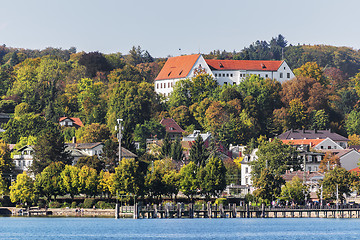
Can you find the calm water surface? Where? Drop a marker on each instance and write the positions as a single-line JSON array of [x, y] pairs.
[[108, 228]]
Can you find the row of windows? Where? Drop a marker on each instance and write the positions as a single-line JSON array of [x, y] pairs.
[[287, 75], [223, 75], [164, 85]]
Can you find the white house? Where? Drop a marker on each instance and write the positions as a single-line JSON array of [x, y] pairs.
[[246, 168], [224, 71], [24, 159]]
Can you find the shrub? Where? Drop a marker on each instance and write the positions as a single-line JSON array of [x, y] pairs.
[[74, 205], [54, 204], [222, 201], [88, 203], [41, 203]]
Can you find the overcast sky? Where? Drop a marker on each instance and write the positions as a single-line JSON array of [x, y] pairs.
[[164, 26]]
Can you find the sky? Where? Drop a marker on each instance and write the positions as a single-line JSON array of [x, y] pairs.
[[163, 27]]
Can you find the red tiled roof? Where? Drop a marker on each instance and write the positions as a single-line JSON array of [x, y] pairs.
[[258, 65], [356, 170], [171, 126], [76, 121], [311, 142], [177, 67], [312, 134]]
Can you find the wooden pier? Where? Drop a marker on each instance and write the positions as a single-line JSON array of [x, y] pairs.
[[234, 211]]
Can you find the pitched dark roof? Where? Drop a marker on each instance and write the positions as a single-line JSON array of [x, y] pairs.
[[83, 145], [126, 153], [311, 134], [171, 126]]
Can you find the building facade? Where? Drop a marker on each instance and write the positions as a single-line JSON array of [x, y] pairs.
[[224, 71]]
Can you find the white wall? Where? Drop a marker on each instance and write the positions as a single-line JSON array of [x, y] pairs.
[[328, 144]]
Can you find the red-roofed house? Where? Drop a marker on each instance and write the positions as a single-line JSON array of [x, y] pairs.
[[172, 128], [70, 122], [224, 71]]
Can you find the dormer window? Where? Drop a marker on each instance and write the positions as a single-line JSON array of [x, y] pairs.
[[221, 66]]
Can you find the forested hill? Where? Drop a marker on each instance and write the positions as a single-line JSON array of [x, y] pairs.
[[99, 88], [344, 58]]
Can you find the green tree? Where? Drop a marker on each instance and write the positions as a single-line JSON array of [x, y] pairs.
[[189, 183], [172, 184], [177, 150], [110, 155], [128, 178], [276, 157], [320, 119], [352, 123], [166, 147], [93, 133], [338, 177], [48, 182], [294, 190], [49, 148], [297, 116], [268, 185], [154, 180], [88, 180], [214, 181], [70, 183], [106, 183], [147, 130], [27, 125], [92, 162], [23, 190], [198, 152], [311, 70]]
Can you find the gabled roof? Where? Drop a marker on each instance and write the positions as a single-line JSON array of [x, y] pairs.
[[126, 153], [338, 152], [310, 142], [76, 121], [311, 134], [177, 67], [171, 126], [288, 176], [254, 65]]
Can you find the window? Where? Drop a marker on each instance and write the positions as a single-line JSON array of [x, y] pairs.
[[225, 83], [288, 75], [321, 147], [281, 75], [266, 75], [160, 85], [157, 86], [329, 147], [284, 68], [223, 74], [234, 83], [168, 84], [227, 75], [246, 170], [172, 84], [215, 74], [231, 75]]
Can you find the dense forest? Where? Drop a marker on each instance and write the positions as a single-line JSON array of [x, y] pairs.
[[39, 86]]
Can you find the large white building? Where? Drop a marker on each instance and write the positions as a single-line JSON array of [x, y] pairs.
[[224, 71]]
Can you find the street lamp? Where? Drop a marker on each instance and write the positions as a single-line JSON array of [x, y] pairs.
[[119, 121]]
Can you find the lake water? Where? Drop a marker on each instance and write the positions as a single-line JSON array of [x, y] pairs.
[[45, 228]]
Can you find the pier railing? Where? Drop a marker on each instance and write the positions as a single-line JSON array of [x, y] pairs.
[[209, 210]]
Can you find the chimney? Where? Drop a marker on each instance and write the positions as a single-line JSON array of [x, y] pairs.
[[74, 139]]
